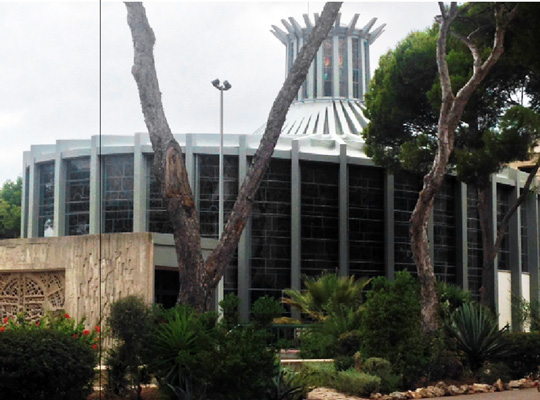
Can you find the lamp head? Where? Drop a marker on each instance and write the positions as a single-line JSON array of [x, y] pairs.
[[226, 85], [215, 82]]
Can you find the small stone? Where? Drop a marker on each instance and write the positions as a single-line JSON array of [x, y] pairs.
[[481, 388], [426, 392], [453, 390], [413, 395], [398, 396], [443, 386], [526, 383], [499, 386]]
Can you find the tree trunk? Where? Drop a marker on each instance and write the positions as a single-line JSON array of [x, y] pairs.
[[450, 115], [198, 278]]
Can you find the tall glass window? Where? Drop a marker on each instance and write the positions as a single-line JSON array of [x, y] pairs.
[[271, 232], [320, 217], [78, 196], [366, 221], [118, 193], [208, 196], [157, 216], [444, 231], [406, 189], [46, 199], [328, 67], [503, 195], [356, 72], [343, 67], [474, 243]]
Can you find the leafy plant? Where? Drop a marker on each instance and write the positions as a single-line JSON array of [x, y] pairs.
[[264, 310], [522, 357], [130, 323], [391, 325], [229, 306], [287, 385], [327, 295], [476, 334], [44, 364], [382, 368]]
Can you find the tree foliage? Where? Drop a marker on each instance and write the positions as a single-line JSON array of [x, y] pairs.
[[10, 209]]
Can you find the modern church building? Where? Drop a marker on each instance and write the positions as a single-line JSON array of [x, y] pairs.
[[322, 205]]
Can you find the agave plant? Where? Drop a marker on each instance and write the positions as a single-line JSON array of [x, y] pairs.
[[327, 295], [477, 334]]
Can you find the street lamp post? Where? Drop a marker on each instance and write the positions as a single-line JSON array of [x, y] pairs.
[[222, 88]]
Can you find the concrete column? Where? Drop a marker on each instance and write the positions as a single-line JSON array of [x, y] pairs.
[[140, 195], [532, 247], [25, 195], [389, 225], [492, 200], [33, 199], [190, 161], [95, 186], [296, 255], [59, 226], [244, 244], [462, 251], [343, 211], [514, 230]]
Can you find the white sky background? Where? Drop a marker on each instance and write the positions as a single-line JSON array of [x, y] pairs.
[[50, 65]]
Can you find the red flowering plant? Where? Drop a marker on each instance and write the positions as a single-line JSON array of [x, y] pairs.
[[57, 322]]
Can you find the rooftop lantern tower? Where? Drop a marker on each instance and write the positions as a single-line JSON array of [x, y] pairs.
[[330, 100]]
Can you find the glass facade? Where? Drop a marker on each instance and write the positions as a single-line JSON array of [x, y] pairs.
[[357, 71], [208, 203], [366, 221], [270, 270], [78, 196], [319, 217], [46, 199], [406, 189], [117, 193], [444, 231], [157, 216], [474, 243], [503, 195]]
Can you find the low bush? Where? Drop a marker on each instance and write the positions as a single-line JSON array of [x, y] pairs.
[[490, 372], [264, 310], [317, 344], [382, 368], [391, 325], [45, 364], [229, 307], [130, 324], [343, 363], [351, 382], [523, 356]]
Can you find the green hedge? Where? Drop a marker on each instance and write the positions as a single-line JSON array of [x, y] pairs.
[[523, 353], [45, 364]]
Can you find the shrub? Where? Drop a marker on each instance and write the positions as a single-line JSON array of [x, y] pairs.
[[131, 324], [476, 334], [264, 310], [194, 356], [317, 344], [44, 364], [451, 297], [287, 385], [391, 325], [351, 382], [229, 306], [356, 383], [523, 356], [490, 372], [343, 363], [382, 368]]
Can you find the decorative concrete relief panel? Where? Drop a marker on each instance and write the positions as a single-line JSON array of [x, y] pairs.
[[96, 270], [31, 292]]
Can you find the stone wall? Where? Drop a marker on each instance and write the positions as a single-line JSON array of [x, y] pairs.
[[127, 267]]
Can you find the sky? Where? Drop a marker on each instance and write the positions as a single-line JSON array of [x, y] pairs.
[[65, 69]]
